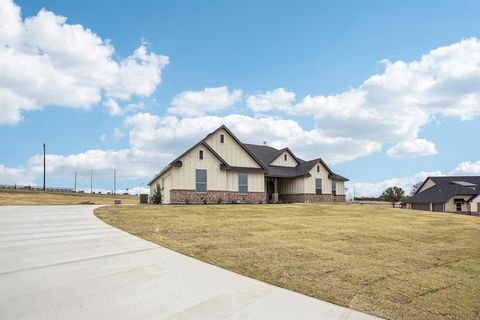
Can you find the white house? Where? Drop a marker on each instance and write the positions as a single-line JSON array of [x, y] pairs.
[[221, 169]]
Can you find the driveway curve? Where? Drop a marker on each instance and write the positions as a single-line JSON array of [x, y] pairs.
[[61, 262]]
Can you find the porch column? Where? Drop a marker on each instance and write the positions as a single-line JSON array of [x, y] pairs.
[[275, 191]]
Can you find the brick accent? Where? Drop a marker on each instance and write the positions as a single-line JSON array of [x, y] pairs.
[[190, 196], [274, 197], [310, 197]]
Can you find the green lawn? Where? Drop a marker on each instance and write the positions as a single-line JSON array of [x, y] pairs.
[[393, 263]]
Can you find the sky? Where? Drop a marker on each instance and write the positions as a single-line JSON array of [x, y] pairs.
[[386, 92]]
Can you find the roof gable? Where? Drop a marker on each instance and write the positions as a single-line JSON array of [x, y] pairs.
[[231, 149], [289, 161]]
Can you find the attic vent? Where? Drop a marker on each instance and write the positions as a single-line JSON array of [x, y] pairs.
[[264, 143]]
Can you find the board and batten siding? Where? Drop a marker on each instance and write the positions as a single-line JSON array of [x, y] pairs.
[[256, 181], [323, 174], [307, 184], [183, 178], [475, 204], [230, 150], [165, 182], [428, 184], [291, 186], [280, 161]]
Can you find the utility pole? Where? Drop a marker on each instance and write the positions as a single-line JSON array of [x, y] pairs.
[[75, 186], [91, 181], [44, 166], [114, 181]]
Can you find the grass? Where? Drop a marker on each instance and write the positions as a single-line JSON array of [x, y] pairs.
[[21, 197], [393, 263]]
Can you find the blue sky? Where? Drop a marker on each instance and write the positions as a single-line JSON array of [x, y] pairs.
[[309, 48]]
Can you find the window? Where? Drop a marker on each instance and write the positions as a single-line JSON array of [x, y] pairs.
[[334, 187], [201, 180], [222, 138], [200, 154], [458, 206], [318, 168], [318, 186], [242, 182], [285, 157]]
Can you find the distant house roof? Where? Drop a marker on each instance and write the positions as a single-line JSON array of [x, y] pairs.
[[446, 188], [263, 155]]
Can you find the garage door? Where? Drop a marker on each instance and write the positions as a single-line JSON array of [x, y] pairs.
[[421, 206], [438, 207]]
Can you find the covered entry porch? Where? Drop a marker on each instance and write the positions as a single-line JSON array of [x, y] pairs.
[[271, 185]]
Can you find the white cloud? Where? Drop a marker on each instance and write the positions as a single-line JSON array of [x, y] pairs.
[[12, 176], [467, 168], [128, 163], [46, 61], [118, 134], [112, 107], [278, 99], [391, 107], [375, 189], [413, 148], [208, 100]]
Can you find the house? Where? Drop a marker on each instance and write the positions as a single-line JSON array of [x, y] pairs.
[[447, 194], [220, 168]]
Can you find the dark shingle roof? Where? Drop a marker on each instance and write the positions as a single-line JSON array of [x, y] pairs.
[[267, 154], [446, 188]]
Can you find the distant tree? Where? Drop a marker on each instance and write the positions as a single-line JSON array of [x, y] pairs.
[[415, 187], [157, 196], [393, 194]]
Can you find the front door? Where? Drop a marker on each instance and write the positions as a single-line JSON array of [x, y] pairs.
[[270, 187]]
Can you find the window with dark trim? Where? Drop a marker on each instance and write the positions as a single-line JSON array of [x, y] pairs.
[[318, 168], [222, 138], [200, 154], [285, 157], [458, 206], [242, 182], [201, 180], [334, 187], [318, 186]]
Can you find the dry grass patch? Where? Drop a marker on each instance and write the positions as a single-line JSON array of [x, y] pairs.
[[394, 263], [20, 197]]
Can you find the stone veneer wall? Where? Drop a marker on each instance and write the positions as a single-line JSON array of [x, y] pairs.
[[310, 197], [182, 196]]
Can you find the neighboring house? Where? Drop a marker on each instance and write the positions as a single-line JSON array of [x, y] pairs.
[[220, 168], [447, 194]]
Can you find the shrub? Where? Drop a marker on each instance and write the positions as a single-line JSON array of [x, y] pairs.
[[157, 196]]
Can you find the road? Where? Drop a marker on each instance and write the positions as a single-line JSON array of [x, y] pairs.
[[61, 262]]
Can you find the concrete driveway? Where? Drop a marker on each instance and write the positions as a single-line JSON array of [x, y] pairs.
[[61, 262]]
